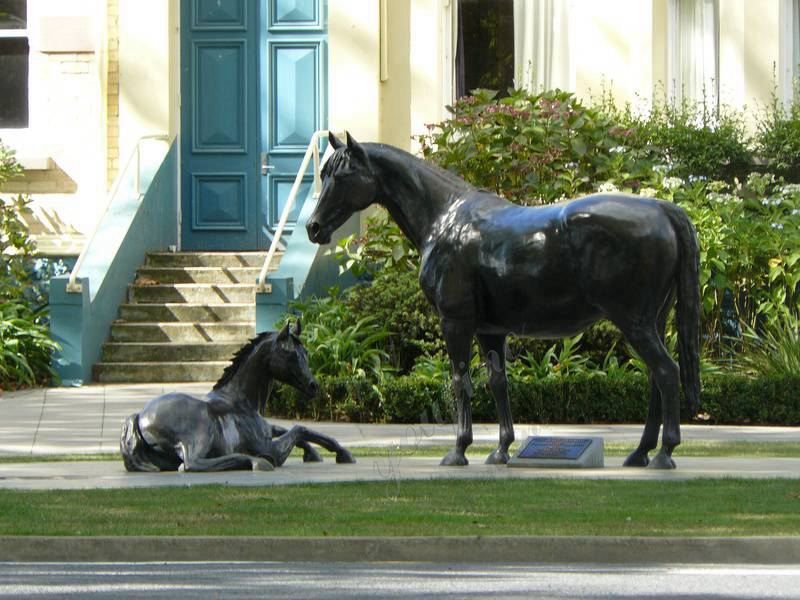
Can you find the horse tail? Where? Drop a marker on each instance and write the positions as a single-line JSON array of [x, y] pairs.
[[687, 311], [136, 453]]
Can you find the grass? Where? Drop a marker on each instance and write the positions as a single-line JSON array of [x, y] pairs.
[[701, 448], [728, 507]]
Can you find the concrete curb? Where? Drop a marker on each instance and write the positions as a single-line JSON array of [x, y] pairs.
[[500, 549]]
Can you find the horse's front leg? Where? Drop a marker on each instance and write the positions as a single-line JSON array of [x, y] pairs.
[[299, 435], [310, 453], [459, 341], [494, 349]]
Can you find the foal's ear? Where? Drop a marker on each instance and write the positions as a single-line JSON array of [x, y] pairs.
[[354, 147], [335, 142], [297, 328], [284, 333]]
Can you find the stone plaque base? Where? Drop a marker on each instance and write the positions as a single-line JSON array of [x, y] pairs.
[[559, 452]]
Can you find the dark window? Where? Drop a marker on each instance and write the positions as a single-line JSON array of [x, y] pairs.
[[13, 14], [14, 52], [485, 47]]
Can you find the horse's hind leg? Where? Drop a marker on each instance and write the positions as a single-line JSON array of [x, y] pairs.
[[665, 373], [194, 462], [298, 435], [310, 453], [494, 348]]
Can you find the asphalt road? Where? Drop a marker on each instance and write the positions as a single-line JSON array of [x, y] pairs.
[[393, 580]]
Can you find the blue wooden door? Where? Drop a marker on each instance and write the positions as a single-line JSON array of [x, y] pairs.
[[252, 93], [295, 92]]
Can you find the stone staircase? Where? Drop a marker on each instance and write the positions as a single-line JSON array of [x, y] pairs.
[[187, 314]]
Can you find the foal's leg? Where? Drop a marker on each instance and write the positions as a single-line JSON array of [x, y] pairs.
[[666, 374], [310, 453], [459, 342], [298, 435], [494, 348], [193, 461]]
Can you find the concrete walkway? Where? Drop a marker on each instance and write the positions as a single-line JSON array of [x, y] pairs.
[[88, 419]]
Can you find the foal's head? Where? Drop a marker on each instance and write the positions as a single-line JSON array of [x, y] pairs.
[[348, 186], [287, 361]]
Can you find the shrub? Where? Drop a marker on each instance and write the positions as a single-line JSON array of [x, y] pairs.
[[532, 148], [726, 399], [25, 345], [689, 138], [778, 138]]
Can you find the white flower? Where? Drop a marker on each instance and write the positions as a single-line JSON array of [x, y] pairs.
[[648, 191], [777, 226], [608, 186], [672, 183]]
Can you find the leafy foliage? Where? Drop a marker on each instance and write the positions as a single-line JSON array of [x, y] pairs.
[[532, 148], [25, 346]]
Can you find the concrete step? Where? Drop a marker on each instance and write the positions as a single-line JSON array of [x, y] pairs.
[[187, 313], [192, 293], [115, 352], [194, 333], [209, 259], [214, 275], [165, 372]]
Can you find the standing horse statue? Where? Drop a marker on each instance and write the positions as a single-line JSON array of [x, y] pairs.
[[224, 430], [491, 268]]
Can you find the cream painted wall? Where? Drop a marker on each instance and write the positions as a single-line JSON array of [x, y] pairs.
[[353, 67], [66, 118], [144, 72]]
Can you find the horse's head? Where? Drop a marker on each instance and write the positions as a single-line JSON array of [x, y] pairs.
[[288, 361], [348, 186]]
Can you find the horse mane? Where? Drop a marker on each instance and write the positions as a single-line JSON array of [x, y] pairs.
[[239, 358]]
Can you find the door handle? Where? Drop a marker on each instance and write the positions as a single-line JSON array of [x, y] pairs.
[[265, 166]]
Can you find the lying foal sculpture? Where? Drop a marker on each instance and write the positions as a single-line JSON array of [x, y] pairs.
[[224, 430], [491, 268]]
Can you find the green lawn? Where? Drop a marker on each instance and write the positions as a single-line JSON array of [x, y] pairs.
[[727, 507]]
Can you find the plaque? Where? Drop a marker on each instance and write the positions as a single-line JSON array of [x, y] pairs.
[[560, 452]]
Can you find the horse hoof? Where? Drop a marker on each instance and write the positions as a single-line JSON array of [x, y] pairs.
[[345, 458], [663, 461], [311, 456], [498, 457], [454, 458], [636, 459], [262, 464]]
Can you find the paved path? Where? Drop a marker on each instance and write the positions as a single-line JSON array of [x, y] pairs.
[[87, 420]]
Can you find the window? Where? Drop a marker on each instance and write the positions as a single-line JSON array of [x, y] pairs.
[[789, 49], [14, 51], [694, 50], [485, 46], [512, 43]]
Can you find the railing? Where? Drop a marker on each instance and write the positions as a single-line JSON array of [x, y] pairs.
[[134, 160], [312, 151]]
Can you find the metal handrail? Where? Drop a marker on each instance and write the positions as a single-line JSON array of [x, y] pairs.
[[312, 151], [72, 285]]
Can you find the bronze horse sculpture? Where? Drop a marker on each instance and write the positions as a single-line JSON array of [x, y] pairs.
[[224, 430], [491, 268]]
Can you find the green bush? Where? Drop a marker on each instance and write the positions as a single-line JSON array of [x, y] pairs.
[[25, 345], [778, 138], [690, 139], [726, 400], [533, 148]]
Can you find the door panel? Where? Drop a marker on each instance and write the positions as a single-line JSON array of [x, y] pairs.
[[219, 125], [253, 93], [295, 71]]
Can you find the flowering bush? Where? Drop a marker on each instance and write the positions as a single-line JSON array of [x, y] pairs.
[[533, 148]]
